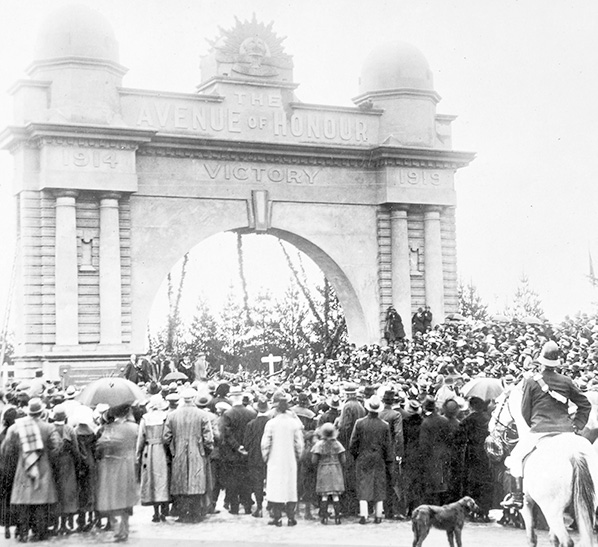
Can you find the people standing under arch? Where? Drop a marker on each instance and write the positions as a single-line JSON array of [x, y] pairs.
[[371, 448]]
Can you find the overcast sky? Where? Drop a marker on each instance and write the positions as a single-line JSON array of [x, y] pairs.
[[522, 77]]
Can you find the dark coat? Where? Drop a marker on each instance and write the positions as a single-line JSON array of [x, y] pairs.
[[475, 474], [233, 424], [139, 372], [544, 414], [395, 421], [434, 443], [371, 447], [412, 460], [68, 463], [253, 443], [87, 472]]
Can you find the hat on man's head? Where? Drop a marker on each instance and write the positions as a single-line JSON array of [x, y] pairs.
[[202, 401], [373, 404], [550, 356], [389, 397], [59, 414], [70, 393], [262, 405], [350, 389], [334, 402], [35, 407], [429, 404], [414, 406], [188, 394]]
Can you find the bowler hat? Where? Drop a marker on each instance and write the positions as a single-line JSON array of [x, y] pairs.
[[59, 414], [389, 397], [35, 407]]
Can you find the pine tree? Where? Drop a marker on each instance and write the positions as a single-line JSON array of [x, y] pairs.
[[471, 303], [203, 336], [526, 301]]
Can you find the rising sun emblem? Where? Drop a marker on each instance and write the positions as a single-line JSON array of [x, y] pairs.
[[253, 48]]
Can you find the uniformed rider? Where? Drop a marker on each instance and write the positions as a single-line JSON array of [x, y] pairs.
[[545, 408]]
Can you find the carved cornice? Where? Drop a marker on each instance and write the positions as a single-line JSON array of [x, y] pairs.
[[304, 154], [53, 134]]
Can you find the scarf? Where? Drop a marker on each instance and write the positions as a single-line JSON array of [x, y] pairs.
[[31, 446]]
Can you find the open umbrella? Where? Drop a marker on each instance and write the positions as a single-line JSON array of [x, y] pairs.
[[499, 318], [455, 317], [175, 376], [531, 320], [110, 391], [484, 388]]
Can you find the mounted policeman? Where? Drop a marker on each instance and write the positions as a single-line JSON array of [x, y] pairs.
[[547, 395]]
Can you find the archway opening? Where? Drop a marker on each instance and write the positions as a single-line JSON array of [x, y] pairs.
[[237, 298]]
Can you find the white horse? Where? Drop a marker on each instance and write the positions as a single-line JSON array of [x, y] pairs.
[[561, 471]]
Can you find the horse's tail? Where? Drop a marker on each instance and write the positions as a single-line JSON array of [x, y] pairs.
[[583, 494]]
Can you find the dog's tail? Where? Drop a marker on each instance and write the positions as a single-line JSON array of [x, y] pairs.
[[583, 494]]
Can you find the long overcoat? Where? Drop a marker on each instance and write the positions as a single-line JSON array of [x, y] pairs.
[[189, 434], [434, 442], [282, 446], [23, 491], [371, 447], [152, 458], [67, 466], [117, 486]]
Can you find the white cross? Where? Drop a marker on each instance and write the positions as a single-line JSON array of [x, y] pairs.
[[271, 359]]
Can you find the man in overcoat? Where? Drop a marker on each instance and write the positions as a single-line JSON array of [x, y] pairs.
[[394, 419], [233, 455], [189, 434], [34, 444], [352, 410], [371, 447], [255, 463]]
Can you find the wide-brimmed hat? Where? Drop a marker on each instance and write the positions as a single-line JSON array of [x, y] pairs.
[[333, 402], [157, 402], [35, 407], [414, 406], [350, 389], [222, 406], [550, 355], [71, 392], [328, 431], [188, 393], [262, 405], [373, 404], [202, 401], [59, 414]]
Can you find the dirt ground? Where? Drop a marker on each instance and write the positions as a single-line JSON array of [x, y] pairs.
[[224, 530]]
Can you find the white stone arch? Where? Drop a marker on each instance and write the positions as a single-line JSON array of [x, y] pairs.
[[174, 227]]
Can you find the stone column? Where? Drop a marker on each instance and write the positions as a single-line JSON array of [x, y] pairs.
[[110, 278], [401, 271], [433, 274], [66, 272]]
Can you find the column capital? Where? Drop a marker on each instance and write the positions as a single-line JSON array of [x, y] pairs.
[[110, 195], [399, 211], [432, 212], [65, 193]]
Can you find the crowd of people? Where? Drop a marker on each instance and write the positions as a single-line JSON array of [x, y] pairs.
[[369, 434]]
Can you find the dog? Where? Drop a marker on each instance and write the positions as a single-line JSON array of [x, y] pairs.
[[449, 517]]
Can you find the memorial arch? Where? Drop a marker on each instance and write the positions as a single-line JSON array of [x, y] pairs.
[[113, 185]]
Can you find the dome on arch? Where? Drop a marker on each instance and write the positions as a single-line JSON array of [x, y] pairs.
[[76, 31], [395, 65]]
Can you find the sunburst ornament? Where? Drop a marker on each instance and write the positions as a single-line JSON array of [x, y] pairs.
[[253, 48]]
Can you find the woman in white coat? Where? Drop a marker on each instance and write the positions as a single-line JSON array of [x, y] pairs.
[[282, 446]]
